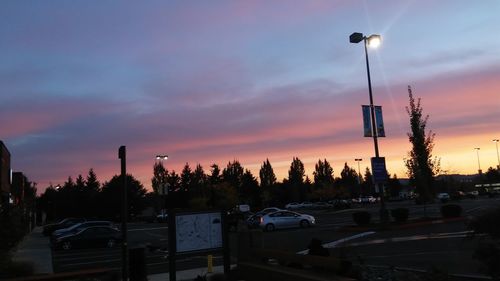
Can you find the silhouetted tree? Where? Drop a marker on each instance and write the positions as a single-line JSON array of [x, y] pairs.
[[199, 182], [349, 179], [323, 174], [92, 189], [186, 178], [250, 190], [159, 178], [112, 192], [232, 174], [394, 186], [492, 175], [421, 165], [266, 174], [296, 175], [367, 188]]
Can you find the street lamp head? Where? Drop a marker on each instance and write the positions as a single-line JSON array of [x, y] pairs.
[[374, 40], [358, 159], [477, 148], [356, 37], [495, 140], [161, 157]]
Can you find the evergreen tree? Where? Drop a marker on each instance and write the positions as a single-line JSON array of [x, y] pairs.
[[215, 176], [323, 174], [232, 174], [249, 192], [295, 182], [199, 182], [159, 178], [421, 165], [368, 187], [266, 174], [186, 178], [112, 191], [349, 179], [92, 189]]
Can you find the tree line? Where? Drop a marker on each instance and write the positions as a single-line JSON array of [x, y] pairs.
[[195, 188]]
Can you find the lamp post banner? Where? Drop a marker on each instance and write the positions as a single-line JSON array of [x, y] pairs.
[[367, 124], [380, 121]]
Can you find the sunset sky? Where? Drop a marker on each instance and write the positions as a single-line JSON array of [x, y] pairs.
[[213, 81]]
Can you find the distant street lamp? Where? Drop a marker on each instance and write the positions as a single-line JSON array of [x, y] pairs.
[[372, 41], [359, 170], [498, 157], [478, 163], [161, 157], [163, 186]]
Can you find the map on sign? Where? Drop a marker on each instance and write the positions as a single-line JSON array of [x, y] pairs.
[[196, 232]]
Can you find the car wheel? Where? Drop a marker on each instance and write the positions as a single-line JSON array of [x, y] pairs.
[[304, 223], [66, 245], [111, 243], [270, 227]]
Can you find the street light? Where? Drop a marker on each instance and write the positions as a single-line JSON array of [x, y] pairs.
[[359, 170], [372, 41], [498, 157], [478, 163], [161, 157]]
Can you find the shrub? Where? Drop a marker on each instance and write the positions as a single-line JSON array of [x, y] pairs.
[[451, 211], [487, 223], [400, 214], [361, 217]]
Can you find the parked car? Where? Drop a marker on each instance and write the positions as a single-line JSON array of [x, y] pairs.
[[293, 205], [322, 205], [65, 223], [162, 217], [285, 219], [306, 205], [90, 237], [443, 196], [78, 227]]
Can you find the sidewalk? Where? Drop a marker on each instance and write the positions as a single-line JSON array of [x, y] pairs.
[[186, 275], [35, 249]]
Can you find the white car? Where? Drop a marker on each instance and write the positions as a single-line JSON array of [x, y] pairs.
[[443, 196], [285, 219], [293, 205]]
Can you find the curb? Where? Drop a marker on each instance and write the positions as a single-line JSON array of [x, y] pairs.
[[400, 226]]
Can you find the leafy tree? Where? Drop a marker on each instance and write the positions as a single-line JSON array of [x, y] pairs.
[[266, 174], [421, 165], [492, 175], [323, 174], [111, 194]]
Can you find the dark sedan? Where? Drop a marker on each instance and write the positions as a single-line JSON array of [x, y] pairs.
[[91, 237], [65, 223], [79, 227]]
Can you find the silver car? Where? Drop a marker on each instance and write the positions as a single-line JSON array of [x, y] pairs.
[[285, 219]]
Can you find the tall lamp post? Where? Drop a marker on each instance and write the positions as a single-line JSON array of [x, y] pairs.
[[478, 163], [498, 156], [372, 41], [359, 169]]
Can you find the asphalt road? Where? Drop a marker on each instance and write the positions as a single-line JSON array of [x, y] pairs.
[[444, 245]]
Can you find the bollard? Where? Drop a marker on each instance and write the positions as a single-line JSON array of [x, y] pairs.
[[137, 265], [210, 264]]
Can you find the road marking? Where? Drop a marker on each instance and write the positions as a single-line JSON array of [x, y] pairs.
[[144, 229], [450, 235], [335, 243]]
